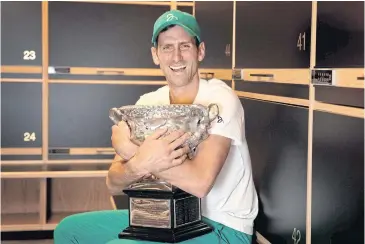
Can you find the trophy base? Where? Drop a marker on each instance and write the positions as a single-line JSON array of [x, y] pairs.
[[163, 216], [166, 235]]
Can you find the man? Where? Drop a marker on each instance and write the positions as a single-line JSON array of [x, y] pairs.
[[220, 172]]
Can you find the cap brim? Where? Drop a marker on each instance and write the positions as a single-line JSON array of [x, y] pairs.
[[187, 29]]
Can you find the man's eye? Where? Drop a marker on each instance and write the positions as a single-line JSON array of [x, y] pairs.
[[167, 48], [185, 46]]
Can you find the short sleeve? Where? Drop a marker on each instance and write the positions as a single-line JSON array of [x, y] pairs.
[[146, 99], [141, 100], [154, 98], [230, 120]]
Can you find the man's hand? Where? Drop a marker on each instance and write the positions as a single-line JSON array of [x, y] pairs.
[[197, 176], [121, 142], [159, 152]]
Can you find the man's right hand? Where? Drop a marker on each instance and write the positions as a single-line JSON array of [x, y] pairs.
[[159, 152]]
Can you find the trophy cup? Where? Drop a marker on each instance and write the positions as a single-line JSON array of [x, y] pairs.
[[159, 211]]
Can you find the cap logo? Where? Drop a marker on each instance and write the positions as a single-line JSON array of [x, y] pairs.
[[171, 17]]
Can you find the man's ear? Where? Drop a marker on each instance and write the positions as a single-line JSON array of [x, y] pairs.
[[154, 55], [201, 51]]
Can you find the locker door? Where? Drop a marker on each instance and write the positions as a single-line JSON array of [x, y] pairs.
[[273, 34], [277, 141], [21, 33], [216, 23], [340, 34], [102, 35], [338, 179], [21, 120], [79, 116]]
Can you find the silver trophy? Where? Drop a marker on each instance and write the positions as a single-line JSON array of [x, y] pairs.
[[159, 211]]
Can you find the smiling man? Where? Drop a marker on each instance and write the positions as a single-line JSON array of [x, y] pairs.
[[220, 172]]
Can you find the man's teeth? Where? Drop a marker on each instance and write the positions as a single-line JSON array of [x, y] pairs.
[[177, 67]]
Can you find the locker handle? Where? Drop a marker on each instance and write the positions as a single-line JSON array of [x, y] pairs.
[[360, 78], [110, 72], [59, 151], [263, 75]]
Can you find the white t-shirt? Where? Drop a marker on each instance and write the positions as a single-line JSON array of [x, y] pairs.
[[233, 199]]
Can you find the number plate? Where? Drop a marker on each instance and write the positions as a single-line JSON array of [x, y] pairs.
[[323, 77], [237, 74]]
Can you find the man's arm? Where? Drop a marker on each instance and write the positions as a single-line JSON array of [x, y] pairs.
[[121, 174], [152, 156], [197, 176]]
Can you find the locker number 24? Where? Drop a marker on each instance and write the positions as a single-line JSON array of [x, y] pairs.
[[29, 55], [29, 136]]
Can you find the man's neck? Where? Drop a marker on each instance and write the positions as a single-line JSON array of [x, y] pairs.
[[185, 94]]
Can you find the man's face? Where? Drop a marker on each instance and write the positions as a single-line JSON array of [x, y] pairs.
[[178, 56]]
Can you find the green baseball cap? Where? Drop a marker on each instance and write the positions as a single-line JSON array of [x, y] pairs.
[[176, 17]]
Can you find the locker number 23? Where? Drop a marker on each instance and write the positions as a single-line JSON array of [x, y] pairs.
[[29, 55], [29, 136]]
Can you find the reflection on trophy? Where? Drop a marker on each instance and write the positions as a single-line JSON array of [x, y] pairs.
[[159, 211]]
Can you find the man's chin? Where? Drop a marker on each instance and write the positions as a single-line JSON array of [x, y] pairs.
[[178, 81]]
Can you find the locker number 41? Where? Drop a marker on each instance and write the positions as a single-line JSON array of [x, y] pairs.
[[301, 41], [29, 136]]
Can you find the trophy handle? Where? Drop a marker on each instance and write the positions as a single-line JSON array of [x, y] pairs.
[[213, 111], [116, 116]]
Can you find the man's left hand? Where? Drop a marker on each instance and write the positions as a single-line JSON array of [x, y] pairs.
[[121, 141]]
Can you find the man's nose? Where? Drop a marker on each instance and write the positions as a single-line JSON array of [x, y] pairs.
[[177, 55]]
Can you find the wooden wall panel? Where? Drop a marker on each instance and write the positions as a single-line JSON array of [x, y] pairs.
[[19, 196], [79, 195]]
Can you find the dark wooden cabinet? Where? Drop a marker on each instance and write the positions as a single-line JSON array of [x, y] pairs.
[[273, 34], [21, 115], [216, 22], [269, 35], [277, 141], [21, 33], [338, 179], [276, 89], [353, 97], [79, 113], [187, 9], [102, 35], [340, 34]]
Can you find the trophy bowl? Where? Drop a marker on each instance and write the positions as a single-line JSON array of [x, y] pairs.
[[159, 211], [143, 120]]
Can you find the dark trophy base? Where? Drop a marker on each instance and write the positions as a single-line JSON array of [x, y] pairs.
[[166, 235], [163, 216]]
